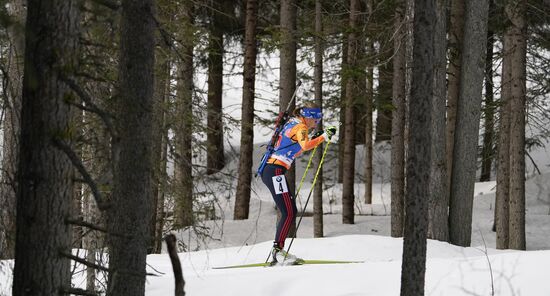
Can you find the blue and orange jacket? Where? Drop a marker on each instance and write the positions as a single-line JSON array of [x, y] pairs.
[[292, 141]]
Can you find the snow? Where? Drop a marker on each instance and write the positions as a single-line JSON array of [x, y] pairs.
[[451, 270]]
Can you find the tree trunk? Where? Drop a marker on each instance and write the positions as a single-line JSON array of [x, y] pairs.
[[288, 76], [183, 173], [12, 128], [384, 101], [242, 200], [348, 197], [342, 115], [456, 36], [419, 157], [215, 159], [468, 114], [131, 205], [438, 214], [368, 109], [487, 154], [162, 80], [318, 85], [502, 213], [515, 11], [45, 183], [398, 124]]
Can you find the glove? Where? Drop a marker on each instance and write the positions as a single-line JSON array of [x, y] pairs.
[[330, 131], [317, 134]]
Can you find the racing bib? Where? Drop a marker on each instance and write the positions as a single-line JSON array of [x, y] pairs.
[[279, 183]]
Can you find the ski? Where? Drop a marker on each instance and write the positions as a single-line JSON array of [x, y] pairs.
[[302, 262]]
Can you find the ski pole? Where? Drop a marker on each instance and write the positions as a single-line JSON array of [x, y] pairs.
[[305, 172], [309, 196]]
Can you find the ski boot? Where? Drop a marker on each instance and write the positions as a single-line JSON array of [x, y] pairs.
[[281, 257]]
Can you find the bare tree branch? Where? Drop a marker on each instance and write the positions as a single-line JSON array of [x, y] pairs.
[[101, 204], [99, 267], [81, 222], [84, 262], [91, 107]]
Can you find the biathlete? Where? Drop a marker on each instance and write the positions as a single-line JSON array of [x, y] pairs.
[[293, 141]]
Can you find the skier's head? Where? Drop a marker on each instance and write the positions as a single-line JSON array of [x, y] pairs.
[[310, 112]]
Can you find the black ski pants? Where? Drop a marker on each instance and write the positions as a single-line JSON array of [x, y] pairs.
[[274, 178]]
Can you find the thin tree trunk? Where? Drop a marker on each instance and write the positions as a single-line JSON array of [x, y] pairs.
[[288, 76], [419, 158], [438, 213], [456, 37], [487, 154], [183, 173], [242, 200], [12, 128], [162, 80], [468, 114], [318, 85], [45, 184], [215, 160], [502, 213], [131, 209], [368, 110], [515, 11], [342, 113], [398, 124], [348, 197], [160, 209], [384, 101]]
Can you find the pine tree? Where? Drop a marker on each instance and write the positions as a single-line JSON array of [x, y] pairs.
[[242, 199], [468, 115], [45, 183], [131, 209], [398, 124], [419, 152]]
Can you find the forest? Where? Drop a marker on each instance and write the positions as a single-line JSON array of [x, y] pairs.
[[132, 129]]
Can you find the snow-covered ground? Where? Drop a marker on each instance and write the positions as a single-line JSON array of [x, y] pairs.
[[451, 270]]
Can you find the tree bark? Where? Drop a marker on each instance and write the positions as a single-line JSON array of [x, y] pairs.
[[45, 184], [419, 156], [342, 115], [487, 154], [368, 109], [288, 76], [438, 214], [348, 196], [468, 114], [398, 124], [176, 265], [456, 36], [12, 128], [318, 85], [160, 133], [242, 200], [131, 209], [215, 159], [184, 121], [515, 11], [384, 101], [502, 213]]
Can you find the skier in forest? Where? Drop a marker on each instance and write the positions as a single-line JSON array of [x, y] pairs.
[[292, 141]]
